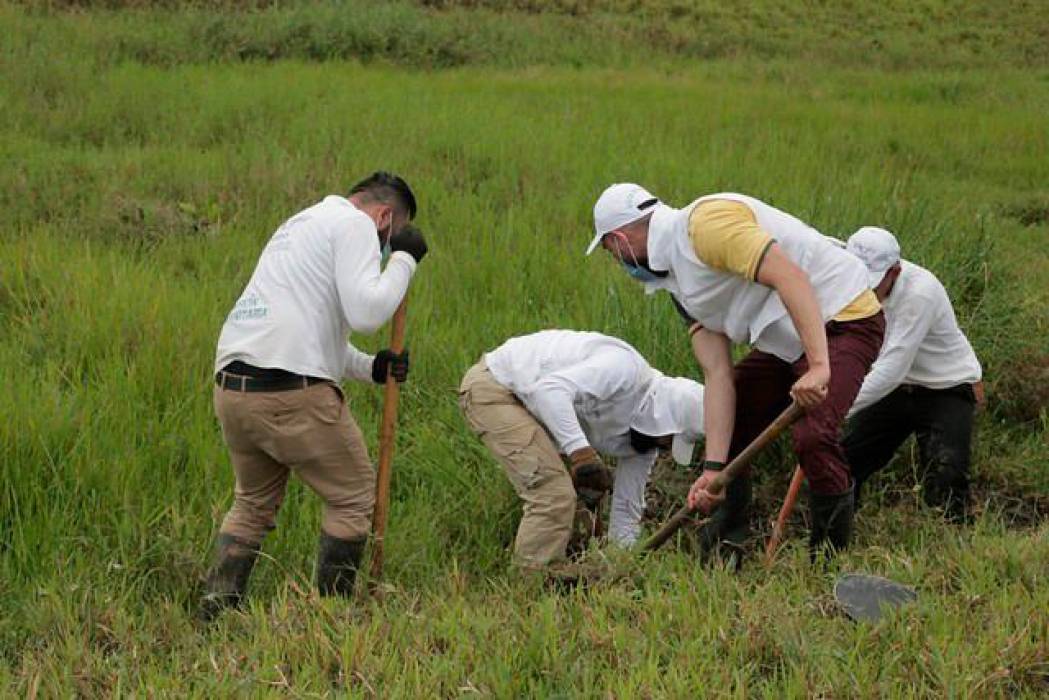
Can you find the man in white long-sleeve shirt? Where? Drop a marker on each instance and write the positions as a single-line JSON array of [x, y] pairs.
[[579, 394], [283, 351], [925, 381]]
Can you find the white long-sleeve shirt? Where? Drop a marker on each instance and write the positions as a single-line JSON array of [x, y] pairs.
[[923, 344], [318, 279], [591, 389], [584, 387]]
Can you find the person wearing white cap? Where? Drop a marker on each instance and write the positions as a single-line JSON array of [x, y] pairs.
[[746, 272], [583, 395], [926, 380]]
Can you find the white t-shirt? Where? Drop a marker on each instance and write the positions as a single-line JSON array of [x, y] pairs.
[[923, 344], [317, 280]]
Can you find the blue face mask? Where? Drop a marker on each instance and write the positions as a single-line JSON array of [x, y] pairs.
[[641, 274], [384, 254], [635, 270]]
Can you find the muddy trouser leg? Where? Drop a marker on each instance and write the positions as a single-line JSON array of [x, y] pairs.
[[944, 434], [762, 383], [258, 493], [530, 461], [327, 451], [310, 431], [873, 436], [852, 348]]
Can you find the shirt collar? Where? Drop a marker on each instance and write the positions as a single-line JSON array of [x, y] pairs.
[[660, 232]]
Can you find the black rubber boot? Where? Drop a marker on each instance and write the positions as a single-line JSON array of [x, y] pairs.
[[725, 534], [948, 491], [831, 522], [337, 564], [228, 577]]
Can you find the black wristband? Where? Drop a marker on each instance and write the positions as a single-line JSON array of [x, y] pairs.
[[710, 465]]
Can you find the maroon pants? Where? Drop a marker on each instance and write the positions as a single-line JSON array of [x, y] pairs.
[[763, 383]]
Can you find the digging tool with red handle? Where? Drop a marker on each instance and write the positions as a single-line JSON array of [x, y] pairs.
[[784, 515], [730, 472], [387, 432]]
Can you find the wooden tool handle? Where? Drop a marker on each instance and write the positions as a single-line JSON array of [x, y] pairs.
[[730, 472], [784, 515], [387, 433]]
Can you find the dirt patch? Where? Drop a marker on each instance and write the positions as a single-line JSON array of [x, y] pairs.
[[146, 222], [1028, 213], [1016, 507], [1020, 388]]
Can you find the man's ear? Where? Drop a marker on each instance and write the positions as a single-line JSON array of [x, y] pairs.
[[888, 281]]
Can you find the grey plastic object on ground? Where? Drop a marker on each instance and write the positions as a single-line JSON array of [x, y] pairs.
[[867, 598]]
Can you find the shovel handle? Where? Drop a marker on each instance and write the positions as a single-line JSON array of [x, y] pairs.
[[730, 472], [387, 433], [784, 515]]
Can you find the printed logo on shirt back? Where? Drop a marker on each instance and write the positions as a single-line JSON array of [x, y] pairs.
[[249, 307]]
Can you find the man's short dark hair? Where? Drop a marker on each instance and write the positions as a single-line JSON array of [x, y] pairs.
[[388, 188]]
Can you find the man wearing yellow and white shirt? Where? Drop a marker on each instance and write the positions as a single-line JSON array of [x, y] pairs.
[[746, 272]]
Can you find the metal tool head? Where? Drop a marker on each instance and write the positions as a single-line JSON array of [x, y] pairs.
[[868, 598]]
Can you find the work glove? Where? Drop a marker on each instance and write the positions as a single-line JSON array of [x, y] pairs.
[[389, 363], [411, 241], [591, 478]]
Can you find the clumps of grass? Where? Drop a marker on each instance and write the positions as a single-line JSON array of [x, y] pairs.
[[445, 33], [145, 223], [1029, 212]]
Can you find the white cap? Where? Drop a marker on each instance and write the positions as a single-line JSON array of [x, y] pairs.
[[878, 250], [672, 406], [618, 206]]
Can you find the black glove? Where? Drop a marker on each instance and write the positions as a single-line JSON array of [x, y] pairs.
[[411, 241], [387, 362], [591, 478]]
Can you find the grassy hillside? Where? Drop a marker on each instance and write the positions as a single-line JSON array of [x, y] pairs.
[[892, 34], [150, 153]]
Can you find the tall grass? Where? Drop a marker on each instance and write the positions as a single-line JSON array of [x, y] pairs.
[[892, 34], [136, 198]]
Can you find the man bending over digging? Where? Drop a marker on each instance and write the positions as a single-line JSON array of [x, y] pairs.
[[926, 380], [746, 272], [583, 395]]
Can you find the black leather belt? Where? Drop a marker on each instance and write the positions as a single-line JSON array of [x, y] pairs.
[[288, 382]]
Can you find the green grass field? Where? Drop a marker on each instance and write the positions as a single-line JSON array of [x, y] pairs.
[[148, 155]]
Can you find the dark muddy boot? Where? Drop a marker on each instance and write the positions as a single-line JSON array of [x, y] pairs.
[[337, 564], [949, 492], [831, 523], [228, 577], [723, 536]]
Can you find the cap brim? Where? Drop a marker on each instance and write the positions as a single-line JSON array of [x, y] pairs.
[[681, 449], [874, 278], [595, 243]]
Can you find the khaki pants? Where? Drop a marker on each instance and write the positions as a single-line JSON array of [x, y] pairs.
[[309, 431], [531, 462]]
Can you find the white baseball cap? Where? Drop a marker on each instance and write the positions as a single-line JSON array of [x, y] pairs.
[[619, 205], [672, 406], [877, 248]]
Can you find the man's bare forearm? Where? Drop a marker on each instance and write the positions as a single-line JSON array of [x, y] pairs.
[[796, 292], [713, 353], [719, 416]]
